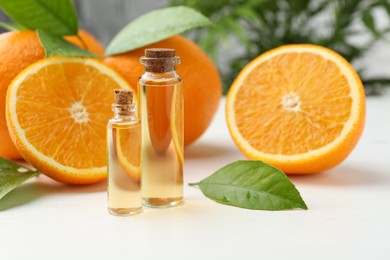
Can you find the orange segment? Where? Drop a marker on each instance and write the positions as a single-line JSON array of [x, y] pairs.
[[57, 112], [299, 107]]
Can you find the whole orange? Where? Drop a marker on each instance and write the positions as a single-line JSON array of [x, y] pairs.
[[19, 49], [202, 82]]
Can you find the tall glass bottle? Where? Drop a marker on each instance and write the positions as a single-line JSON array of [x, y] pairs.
[[163, 129], [124, 154]]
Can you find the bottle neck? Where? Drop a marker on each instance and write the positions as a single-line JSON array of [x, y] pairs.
[[160, 75]]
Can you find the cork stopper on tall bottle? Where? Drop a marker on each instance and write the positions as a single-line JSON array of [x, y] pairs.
[[160, 53], [160, 60]]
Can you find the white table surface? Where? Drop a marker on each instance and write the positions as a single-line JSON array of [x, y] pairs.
[[348, 216]]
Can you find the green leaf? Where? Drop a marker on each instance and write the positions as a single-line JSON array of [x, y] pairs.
[[248, 13], [12, 175], [57, 17], [208, 43], [298, 6], [12, 26], [55, 45], [252, 185], [155, 26], [237, 30], [369, 22], [386, 5]]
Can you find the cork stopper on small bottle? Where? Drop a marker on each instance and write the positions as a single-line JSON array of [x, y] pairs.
[[160, 60], [124, 97], [124, 104]]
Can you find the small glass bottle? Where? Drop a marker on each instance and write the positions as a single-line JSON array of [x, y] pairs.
[[124, 154], [163, 129]]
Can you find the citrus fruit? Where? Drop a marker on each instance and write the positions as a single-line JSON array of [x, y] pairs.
[[19, 49], [57, 111], [202, 83], [298, 107]]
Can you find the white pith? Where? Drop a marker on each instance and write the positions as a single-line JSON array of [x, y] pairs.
[[291, 102], [80, 116], [79, 113]]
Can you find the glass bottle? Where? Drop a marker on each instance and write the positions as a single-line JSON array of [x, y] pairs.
[[163, 129], [124, 154]]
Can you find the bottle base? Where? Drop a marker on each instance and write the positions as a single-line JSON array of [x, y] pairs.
[[163, 202], [124, 212]]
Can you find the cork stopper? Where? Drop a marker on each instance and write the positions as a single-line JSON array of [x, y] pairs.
[[160, 60], [123, 96], [124, 104], [160, 53]]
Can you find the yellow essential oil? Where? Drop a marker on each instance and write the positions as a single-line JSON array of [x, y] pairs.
[[163, 129], [124, 140]]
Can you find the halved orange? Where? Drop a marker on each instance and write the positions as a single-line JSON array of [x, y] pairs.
[[298, 107], [57, 111]]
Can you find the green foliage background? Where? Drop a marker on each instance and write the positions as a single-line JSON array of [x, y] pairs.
[[261, 25]]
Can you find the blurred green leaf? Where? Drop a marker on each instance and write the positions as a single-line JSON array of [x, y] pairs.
[[369, 21], [298, 6], [265, 24], [247, 12], [386, 5], [237, 30]]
